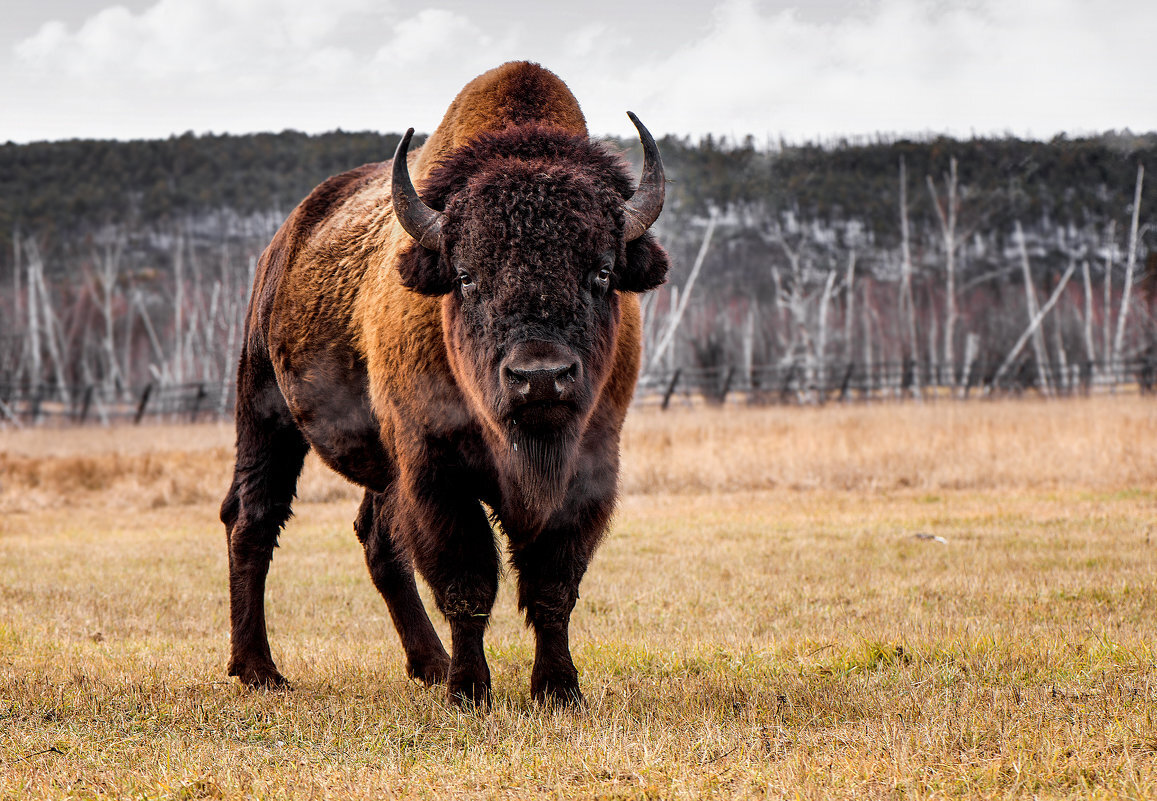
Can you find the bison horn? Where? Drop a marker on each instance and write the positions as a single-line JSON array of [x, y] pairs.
[[420, 221], [643, 208]]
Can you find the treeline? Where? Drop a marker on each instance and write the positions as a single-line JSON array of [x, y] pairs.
[[64, 190], [125, 263]]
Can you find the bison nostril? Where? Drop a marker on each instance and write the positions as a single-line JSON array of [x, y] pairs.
[[517, 380], [564, 376], [540, 382]]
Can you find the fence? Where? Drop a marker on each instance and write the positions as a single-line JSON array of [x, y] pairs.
[[818, 383], [796, 383], [48, 403]]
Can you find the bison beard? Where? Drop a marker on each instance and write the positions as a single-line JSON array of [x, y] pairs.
[[363, 344], [542, 464]]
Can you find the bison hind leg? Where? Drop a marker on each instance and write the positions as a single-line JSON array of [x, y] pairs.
[[270, 454], [393, 574]]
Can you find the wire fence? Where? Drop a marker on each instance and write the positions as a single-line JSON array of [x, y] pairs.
[[819, 383], [22, 404], [790, 384]]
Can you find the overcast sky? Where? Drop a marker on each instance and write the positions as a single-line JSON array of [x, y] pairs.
[[771, 68]]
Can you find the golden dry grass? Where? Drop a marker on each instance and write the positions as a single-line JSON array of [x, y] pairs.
[[764, 620], [1103, 442]]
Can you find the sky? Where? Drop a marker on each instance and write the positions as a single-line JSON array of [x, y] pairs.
[[769, 68]]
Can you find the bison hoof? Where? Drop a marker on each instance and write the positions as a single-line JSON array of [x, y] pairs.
[[468, 693], [263, 676], [553, 696], [430, 670], [557, 691]]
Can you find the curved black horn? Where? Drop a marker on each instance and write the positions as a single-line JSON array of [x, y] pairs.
[[644, 206], [420, 221]]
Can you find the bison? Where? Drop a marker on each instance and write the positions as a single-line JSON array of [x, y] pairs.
[[467, 355]]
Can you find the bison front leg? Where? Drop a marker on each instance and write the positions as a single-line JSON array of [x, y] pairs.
[[552, 563], [550, 568], [393, 575], [453, 547]]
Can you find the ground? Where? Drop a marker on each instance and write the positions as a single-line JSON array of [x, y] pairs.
[[899, 600]]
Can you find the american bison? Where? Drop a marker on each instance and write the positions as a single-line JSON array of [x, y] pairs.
[[467, 355]]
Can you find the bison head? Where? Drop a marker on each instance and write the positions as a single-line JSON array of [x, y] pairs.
[[529, 235]]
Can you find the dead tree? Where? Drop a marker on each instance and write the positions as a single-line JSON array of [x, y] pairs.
[[1090, 347], [906, 303], [947, 217], [1033, 328], [107, 274], [673, 323], [1130, 264], [1107, 303], [1038, 343]]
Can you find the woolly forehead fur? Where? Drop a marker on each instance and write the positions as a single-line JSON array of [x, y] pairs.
[[497, 159]]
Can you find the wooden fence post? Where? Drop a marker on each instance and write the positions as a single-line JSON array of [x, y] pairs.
[[726, 387], [86, 404], [200, 396], [148, 391], [34, 411], [671, 388], [846, 381], [785, 386]]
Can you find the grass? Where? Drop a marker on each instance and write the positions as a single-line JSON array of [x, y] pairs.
[[771, 616]]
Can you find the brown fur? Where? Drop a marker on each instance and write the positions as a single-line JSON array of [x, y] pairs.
[[401, 390]]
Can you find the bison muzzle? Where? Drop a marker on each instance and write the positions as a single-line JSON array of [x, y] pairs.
[[466, 354]]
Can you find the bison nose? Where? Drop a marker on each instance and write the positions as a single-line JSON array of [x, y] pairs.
[[543, 382], [540, 371]]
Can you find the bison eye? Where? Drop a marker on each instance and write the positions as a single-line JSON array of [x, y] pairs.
[[603, 276], [465, 280]]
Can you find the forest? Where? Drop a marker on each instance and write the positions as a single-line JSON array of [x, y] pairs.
[[798, 270]]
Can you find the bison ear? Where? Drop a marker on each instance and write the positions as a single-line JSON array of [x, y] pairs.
[[425, 272], [646, 266]]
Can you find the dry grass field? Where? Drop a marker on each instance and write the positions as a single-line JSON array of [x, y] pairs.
[[893, 601]]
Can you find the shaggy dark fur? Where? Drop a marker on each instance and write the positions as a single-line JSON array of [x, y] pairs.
[[497, 370]]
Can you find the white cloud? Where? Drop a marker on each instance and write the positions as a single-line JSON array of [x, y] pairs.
[[888, 65], [910, 66], [431, 33], [175, 38]]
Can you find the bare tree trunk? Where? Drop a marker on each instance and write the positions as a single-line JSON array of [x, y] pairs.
[[933, 377], [1038, 344], [781, 319], [1130, 264], [868, 313], [45, 313], [178, 309], [971, 349], [1062, 376], [749, 342], [1034, 325], [822, 337], [672, 326], [16, 321], [127, 350], [907, 305], [150, 331], [647, 315], [33, 305], [849, 305], [107, 274], [800, 348], [670, 355], [1090, 348], [1107, 304], [948, 232]]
